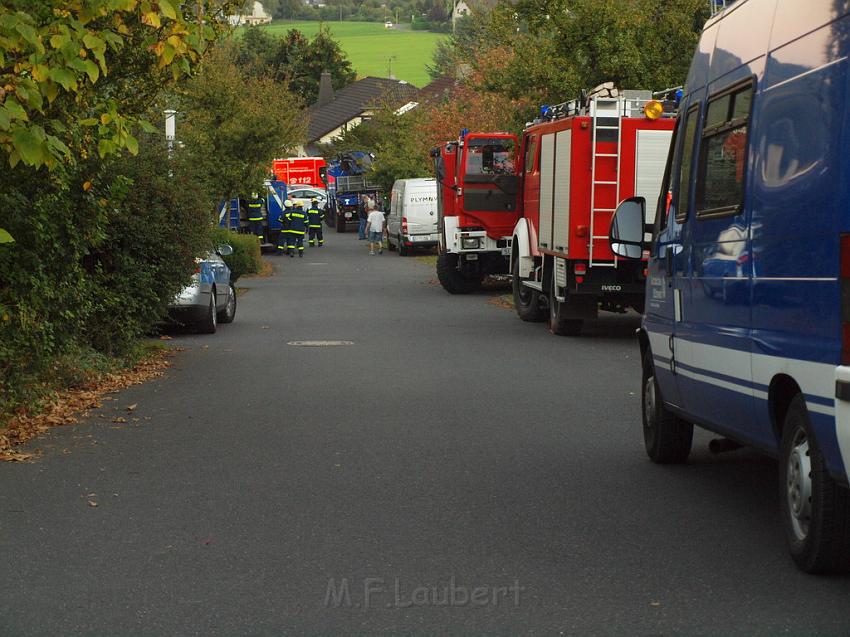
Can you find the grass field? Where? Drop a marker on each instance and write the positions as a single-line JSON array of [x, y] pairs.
[[370, 46]]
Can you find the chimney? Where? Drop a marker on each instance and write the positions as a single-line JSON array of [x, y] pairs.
[[326, 90]]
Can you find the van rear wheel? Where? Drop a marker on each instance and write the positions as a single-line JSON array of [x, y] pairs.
[[815, 509], [667, 437]]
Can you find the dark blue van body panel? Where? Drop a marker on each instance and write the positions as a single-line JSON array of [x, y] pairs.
[[753, 297]]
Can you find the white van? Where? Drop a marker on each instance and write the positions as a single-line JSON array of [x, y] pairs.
[[412, 220]]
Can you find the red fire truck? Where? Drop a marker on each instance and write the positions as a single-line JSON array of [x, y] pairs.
[[579, 162], [299, 171], [543, 213], [477, 208]]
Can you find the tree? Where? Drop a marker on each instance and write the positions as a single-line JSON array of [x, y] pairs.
[[548, 50], [295, 60], [236, 127], [63, 63]]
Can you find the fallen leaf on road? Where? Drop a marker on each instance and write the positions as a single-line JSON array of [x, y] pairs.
[[92, 503], [655, 604], [119, 419], [265, 327], [505, 302], [132, 407], [165, 337]]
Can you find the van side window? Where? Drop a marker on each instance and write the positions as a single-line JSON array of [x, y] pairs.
[[688, 145], [662, 205], [723, 155], [530, 152]]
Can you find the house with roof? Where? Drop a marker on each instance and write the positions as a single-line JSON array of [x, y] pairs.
[[257, 16], [335, 112]]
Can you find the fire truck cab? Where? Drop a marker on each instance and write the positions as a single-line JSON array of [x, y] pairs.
[[477, 208], [578, 161]]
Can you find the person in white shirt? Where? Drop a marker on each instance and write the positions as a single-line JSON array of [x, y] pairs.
[[375, 231]]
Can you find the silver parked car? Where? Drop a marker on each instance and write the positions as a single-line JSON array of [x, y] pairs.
[[304, 194], [210, 297]]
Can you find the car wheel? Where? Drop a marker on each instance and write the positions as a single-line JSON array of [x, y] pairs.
[[229, 312], [390, 245], [209, 323], [403, 250], [557, 324], [815, 509], [667, 437], [526, 300]]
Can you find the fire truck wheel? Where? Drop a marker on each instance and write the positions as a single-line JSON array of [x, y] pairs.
[[815, 510], [450, 277], [526, 300], [667, 437], [209, 323], [559, 325]]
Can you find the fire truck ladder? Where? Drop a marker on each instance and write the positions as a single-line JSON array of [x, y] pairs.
[[606, 109]]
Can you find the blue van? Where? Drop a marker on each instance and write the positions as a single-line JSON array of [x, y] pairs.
[[746, 329]]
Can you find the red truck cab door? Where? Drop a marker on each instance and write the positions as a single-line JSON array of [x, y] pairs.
[[488, 183]]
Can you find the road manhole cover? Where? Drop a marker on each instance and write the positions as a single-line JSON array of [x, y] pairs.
[[319, 343]]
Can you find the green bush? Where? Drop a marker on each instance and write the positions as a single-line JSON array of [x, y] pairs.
[[246, 257], [100, 249]]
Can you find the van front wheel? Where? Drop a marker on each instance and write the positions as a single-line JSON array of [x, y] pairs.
[[667, 437], [815, 509]]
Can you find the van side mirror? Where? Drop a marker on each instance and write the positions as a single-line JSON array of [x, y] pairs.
[[627, 228], [224, 250]]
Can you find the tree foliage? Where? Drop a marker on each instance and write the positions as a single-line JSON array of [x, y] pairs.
[[106, 222], [295, 60], [546, 51], [236, 127], [64, 63]]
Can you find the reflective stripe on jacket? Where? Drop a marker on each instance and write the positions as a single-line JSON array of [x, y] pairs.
[[315, 217], [297, 222]]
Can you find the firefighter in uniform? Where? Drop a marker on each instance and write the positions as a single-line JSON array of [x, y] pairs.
[[297, 224], [315, 216], [283, 237], [255, 215]]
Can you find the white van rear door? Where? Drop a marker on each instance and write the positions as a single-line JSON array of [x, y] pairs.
[[420, 209]]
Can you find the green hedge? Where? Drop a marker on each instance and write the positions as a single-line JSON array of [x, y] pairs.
[[246, 258], [100, 249]]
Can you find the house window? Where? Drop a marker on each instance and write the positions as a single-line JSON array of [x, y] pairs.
[[723, 156]]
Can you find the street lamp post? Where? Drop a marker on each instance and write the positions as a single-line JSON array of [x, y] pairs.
[[170, 128]]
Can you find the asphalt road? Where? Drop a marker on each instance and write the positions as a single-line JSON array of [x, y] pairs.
[[463, 473]]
